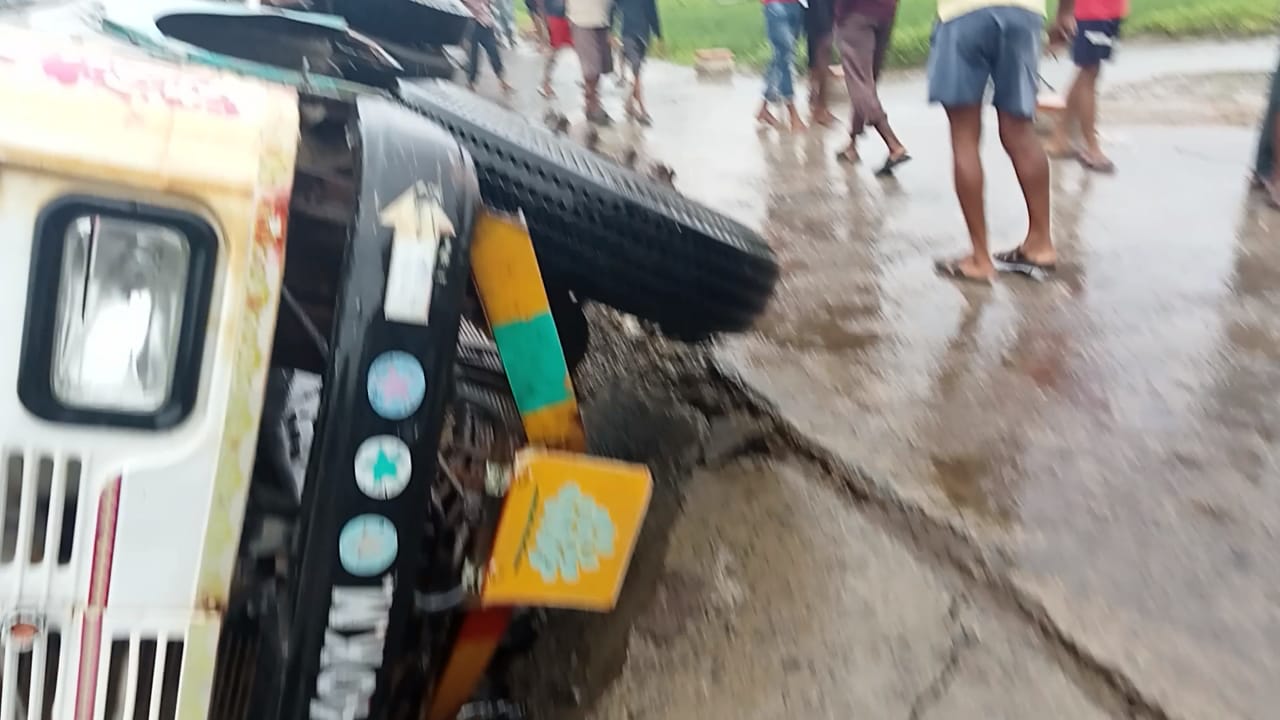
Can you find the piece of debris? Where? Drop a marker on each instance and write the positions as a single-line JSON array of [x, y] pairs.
[[662, 172], [713, 62], [556, 121]]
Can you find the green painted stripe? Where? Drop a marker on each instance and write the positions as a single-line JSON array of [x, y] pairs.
[[534, 361]]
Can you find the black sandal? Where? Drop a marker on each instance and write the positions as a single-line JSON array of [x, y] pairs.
[[951, 270], [892, 162], [1017, 261]]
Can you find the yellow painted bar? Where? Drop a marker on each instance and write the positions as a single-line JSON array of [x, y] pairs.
[[506, 269], [510, 287]]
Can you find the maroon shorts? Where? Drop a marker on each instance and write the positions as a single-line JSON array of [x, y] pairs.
[[559, 33]]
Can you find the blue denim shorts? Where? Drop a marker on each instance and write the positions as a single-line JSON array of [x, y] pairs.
[[999, 46], [1095, 41]]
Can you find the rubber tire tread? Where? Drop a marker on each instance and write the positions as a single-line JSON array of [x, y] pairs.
[[604, 231]]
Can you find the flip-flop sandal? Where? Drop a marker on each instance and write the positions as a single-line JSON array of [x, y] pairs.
[[643, 118], [1104, 166], [891, 163], [951, 270], [1016, 261]]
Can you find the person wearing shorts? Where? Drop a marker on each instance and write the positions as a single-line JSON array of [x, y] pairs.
[[639, 21], [559, 36], [1097, 32], [589, 20], [996, 42], [819, 28]]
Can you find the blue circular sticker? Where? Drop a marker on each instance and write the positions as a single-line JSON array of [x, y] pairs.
[[383, 467], [367, 545], [397, 385]]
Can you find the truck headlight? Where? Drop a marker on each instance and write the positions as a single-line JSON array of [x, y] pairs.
[[120, 305], [117, 307]]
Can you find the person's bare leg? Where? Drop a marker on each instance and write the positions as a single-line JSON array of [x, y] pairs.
[[766, 117], [797, 123], [891, 141], [636, 99], [1087, 109], [1059, 145], [552, 55], [819, 94], [966, 137], [1018, 135], [850, 153]]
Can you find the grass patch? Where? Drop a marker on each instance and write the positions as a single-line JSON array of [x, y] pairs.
[[738, 25]]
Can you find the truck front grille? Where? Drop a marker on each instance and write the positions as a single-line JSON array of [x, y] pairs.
[[29, 685], [40, 494], [141, 681], [137, 678]]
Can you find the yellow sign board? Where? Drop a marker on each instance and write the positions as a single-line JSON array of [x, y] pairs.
[[568, 529]]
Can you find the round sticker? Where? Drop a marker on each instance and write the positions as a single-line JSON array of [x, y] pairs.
[[368, 545], [396, 385], [383, 467]]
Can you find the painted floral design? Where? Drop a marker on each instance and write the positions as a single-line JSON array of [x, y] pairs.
[[574, 534]]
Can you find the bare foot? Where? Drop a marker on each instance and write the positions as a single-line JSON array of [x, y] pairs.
[[849, 154], [764, 117], [1032, 251], [797, 123], [1095, 160], [823, 117]]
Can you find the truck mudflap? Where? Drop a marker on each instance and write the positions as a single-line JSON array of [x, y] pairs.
[[375, 452]]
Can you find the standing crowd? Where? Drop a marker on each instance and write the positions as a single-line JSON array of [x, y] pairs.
[[586, 27], [977, 46]]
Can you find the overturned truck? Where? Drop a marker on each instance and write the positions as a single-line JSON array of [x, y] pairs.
[[289, 428]]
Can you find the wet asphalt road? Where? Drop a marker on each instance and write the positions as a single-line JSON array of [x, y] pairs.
[[1103, 443]]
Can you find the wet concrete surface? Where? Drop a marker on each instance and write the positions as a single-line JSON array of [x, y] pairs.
[[1103, 443], [777, 599], [1106, 439], [763, 589]]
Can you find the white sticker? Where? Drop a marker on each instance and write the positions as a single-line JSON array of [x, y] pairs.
[[418, 224], [410, 281]]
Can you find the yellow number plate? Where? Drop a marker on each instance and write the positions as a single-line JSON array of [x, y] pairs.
[[568, 528]]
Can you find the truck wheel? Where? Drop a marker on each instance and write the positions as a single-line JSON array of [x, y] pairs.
[[605, 232]]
